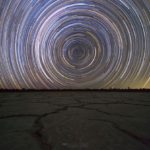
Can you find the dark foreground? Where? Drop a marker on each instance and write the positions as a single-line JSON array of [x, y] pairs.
[[75, 120]]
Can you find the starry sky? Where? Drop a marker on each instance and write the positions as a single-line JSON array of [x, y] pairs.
[[74, 44]]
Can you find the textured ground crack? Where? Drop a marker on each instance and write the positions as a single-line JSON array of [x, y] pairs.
[[145, 141], [39, 127]]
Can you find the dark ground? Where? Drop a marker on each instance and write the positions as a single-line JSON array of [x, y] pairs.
[[86, 120]]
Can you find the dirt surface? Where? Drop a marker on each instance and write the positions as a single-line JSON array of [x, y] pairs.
[[74, 120]]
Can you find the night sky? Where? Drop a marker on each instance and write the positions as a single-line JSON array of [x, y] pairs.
[[51, 44]]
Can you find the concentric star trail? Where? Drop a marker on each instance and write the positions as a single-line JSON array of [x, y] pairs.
[[77, 44]]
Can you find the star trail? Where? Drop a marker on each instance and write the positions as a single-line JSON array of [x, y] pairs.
[[74, 44]]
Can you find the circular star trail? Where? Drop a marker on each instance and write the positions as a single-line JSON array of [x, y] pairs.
[[63, 44]]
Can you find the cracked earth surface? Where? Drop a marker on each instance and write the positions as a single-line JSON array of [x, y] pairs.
[[74, 120]]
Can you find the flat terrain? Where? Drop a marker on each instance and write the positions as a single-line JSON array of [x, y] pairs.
[[75, 120]]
